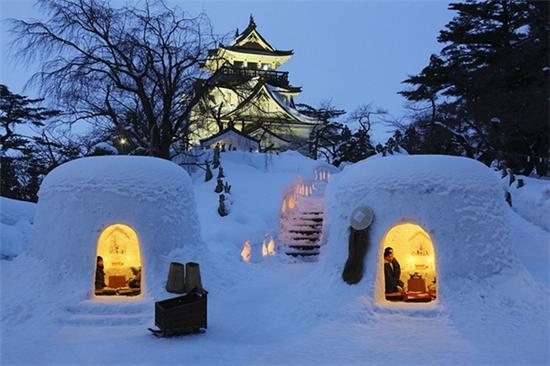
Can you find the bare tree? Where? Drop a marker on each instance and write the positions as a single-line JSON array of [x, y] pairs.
[[129, 70], [366, 115]]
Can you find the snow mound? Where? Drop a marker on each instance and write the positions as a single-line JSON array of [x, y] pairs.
[[457, 201], [532, 201], [16, 218], [80, 199]]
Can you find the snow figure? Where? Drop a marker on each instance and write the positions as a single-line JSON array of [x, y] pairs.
[[208, 173], [220, 173], [216, 158], [445, 218], [219, 186], [227, 188], [222, 210], [131, 211]]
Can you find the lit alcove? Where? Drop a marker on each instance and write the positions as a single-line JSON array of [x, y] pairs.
[[414, 250], [118, 246]]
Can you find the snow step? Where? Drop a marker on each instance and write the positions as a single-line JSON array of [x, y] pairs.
[[302, 254], [305, 244], [305, 231], [299, 226], [313, 219], [304, 247], [304, 234], [303, 239], [110, 308], [107, 319]]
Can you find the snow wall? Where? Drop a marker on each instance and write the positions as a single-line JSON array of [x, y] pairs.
[[458, 201], [79, 199]]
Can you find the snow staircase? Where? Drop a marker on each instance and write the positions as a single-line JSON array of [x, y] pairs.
[[111, 313], [302, 213], [303, 229]]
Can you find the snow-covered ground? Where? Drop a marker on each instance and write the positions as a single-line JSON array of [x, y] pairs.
[[531, 201], [16, 218], [275, 311]]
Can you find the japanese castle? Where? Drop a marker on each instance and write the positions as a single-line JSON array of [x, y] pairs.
[[249, 103]]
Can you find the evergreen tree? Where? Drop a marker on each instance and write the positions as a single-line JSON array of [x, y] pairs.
[[489, 86], [17, 111]]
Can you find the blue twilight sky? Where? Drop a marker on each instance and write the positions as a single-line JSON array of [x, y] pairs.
[[351, 53]]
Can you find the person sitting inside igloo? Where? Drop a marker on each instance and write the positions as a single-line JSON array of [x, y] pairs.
[[392, 272], [99, 275]]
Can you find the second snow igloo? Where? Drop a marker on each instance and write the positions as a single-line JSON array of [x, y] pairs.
[[131, 211], [444, 216]]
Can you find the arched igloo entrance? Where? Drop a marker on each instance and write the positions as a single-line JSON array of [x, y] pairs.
[[414, 256], [118, 249]]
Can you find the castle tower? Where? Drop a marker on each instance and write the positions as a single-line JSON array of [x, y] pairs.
[[248, 95]]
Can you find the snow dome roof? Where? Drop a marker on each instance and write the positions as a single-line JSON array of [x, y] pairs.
[[80, 200], [122, 175], [457, 201], [419, 172]]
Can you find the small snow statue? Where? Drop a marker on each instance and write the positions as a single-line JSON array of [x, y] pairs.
[[216, 158], [208, 175], [219, 186], [226, 188], [521, 183], [508, 197], [220, 173], [222, 210], [512, 177]]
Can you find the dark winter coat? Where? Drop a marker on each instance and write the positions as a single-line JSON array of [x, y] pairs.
[[392, 276], [99, 278]]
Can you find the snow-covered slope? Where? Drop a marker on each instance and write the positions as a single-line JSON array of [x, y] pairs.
[[257, 182], [16, 218], [273, 312], [532, 201]]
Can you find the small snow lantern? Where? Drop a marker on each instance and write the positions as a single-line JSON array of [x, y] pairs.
[[133, 212]]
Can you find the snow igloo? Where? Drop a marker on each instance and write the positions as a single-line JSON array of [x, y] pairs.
[[134, 212], [445, 218]]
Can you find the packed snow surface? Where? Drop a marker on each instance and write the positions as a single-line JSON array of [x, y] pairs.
[[16, 218], [531, 201], [285, 312]]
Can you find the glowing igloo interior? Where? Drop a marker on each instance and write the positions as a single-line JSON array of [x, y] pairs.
[[414, 249], [118, 245]]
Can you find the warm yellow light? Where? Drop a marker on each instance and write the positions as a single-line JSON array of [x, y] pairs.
[[413, 247], [291, 202], [246, 251], [123, 141], [271, 247], [264, 250], [118, 245]]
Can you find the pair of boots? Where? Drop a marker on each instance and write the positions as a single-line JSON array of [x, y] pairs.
[[183, 278]]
